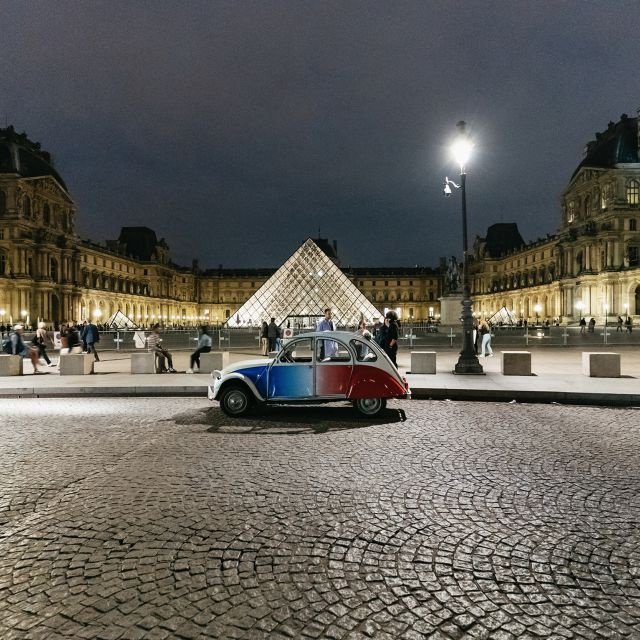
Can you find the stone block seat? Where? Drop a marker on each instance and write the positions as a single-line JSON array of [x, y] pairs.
[[144, 362], [76, 364], [423, 362], [516, 363], [10, 365], [600, 364], [213, 360]]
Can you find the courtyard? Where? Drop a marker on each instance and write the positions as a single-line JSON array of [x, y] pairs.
[[163, 518]]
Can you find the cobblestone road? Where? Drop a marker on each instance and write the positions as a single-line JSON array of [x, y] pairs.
[[125, 519]]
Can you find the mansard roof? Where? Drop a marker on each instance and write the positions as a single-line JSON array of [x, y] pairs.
[[617, 144], [502, 238], [20, 155]]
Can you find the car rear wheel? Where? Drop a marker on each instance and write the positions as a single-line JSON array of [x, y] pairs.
[[235, 400], [370, 406]]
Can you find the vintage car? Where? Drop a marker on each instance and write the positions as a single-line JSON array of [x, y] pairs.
[[313, 367]]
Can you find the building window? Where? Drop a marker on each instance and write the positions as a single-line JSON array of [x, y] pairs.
[[633, 192], [3, 263], [587, 206], [634, 256], [3, 203], [46, 214], [632, 224], [27, 207]]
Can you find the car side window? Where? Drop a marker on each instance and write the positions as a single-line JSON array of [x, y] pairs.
[[297, 351], [331, 351], [364, 353]]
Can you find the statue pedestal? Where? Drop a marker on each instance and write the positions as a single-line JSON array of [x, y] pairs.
[[451, 309]]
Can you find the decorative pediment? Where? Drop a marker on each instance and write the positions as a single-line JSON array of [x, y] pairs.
[[50, 186]]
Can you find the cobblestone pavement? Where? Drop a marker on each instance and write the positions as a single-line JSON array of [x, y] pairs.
[[140, 518]]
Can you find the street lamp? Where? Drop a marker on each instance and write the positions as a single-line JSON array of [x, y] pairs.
[[606, 314], [461, 149], [580, 307], [626, 310]]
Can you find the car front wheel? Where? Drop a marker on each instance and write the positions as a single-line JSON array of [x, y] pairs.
[[370, 406], [235, 400]]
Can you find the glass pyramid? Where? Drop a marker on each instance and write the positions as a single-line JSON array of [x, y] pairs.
[[301, 289]]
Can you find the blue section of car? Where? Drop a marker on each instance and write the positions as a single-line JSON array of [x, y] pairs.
[[257, 375], [291, 381]]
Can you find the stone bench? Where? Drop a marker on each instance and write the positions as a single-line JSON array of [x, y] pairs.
[[423, 362], [601, 365], [76, 364], [144, 362], [516, 363], [213, 360], [10, 365]]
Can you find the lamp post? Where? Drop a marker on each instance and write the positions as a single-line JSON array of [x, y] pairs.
[[626, 311], [468, 362]]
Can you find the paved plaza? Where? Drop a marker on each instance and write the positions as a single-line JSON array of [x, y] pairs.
[[163, 518]]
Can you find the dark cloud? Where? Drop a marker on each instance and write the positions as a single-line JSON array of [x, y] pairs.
[[238, 129]]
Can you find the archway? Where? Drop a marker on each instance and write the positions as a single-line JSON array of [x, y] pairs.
[[637, 312]]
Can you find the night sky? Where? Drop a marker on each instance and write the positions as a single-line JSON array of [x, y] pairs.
[[237, 129]]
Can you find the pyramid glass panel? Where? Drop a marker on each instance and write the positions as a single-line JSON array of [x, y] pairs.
[[303, 287]]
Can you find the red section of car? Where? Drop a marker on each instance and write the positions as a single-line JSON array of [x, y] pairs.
[[372, 382]]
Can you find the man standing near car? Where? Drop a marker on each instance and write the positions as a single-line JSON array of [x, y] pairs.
[[328, 348], [273, 333]]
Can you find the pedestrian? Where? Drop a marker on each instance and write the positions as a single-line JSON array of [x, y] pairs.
[[326, 324], [264, 338], [485, 332], [89, 336], [40, 343], [380, 333], [273, 333], [620, 322], [391, 347], [592, 325], [153, 344], [16, 346], [328, 348], [583, 326], [628, 324], [83, 332], [204, 346]]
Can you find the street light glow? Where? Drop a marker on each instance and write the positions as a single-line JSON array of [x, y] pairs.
[[461, 150]]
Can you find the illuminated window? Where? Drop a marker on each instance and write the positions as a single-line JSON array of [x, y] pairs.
[[633, 192]]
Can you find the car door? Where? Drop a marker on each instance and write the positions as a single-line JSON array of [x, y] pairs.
[[334, 367], [291, 374]]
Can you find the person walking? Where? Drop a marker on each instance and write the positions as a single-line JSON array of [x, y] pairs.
[[620, 323], [16, 346], [153, 344], [485, 332], [40, 342], [90, 335], [204, 346], [583, 326], [264, 338], [629, 324], [592, 325]]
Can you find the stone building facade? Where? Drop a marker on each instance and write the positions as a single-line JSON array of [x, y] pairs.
[[591, 265], [47, 272]]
